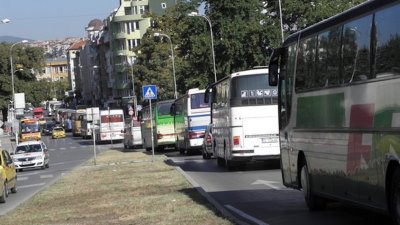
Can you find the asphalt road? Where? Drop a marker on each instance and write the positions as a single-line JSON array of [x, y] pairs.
[[65, 155], [256, 195]]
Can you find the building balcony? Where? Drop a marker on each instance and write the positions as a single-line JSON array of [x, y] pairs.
[[121, 35], [122, 52], [127, 18]]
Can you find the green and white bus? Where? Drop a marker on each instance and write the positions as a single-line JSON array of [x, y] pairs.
[[339, 108], [163, 126]]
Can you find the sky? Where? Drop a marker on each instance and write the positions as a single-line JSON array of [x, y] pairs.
[[52, 19]]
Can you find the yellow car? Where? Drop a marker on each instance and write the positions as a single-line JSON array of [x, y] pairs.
[[8, 175], [58, 132]]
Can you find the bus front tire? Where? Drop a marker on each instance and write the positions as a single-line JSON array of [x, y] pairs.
[[395, 197], [313, 202]]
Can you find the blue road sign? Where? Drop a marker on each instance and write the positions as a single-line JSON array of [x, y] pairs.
[[149, 92]]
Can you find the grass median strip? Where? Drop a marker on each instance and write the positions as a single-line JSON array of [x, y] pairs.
[[123, 188]]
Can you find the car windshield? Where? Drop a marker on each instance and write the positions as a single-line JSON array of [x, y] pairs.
[[58, 129], [28, 148]]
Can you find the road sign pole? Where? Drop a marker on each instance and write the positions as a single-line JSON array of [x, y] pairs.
[[94, 138], [149, 93], [152, 134]]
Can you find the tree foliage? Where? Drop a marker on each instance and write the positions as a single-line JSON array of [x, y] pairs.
[[27, 61], [245, 32]]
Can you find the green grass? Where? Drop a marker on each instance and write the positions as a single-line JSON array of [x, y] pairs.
[[123, 188]]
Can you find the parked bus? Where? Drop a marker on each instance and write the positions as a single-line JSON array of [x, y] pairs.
[[191, 117], [163, 126], [111, 126], [340, 108], [51, 106], [29, 130], [244, 114]]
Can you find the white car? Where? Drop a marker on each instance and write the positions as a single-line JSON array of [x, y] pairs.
[[31, 154]]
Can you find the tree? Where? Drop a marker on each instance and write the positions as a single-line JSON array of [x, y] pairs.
[[26, 60]]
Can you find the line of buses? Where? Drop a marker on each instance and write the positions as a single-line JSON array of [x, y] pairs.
[[242, 109]]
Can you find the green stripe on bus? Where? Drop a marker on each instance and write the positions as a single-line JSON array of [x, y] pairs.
[[324, 111]]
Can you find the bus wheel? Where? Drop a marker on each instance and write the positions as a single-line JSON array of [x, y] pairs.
[[395, 197], [313, 202]]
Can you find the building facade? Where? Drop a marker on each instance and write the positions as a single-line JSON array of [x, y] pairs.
[[104, 62]]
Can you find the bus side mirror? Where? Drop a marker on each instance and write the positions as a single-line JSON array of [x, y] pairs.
[[274, 67]]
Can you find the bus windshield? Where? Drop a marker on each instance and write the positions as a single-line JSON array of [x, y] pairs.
[[197, 101], [28, 127], [252, 90], [164, 109]]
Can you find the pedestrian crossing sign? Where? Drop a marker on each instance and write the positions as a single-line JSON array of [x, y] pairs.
[[149, 92]]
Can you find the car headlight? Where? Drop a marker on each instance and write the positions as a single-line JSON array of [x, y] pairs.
[[39, 158]]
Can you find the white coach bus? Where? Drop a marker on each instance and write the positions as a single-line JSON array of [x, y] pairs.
[[244, 114], [339, 88], [111, 125], [191, 117]]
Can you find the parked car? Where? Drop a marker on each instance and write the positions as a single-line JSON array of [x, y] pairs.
[[8, 175], [58, 132], [207, 149], [31, 154]]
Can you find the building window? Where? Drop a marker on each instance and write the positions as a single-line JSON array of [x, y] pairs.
[[164, 5], [128, 10], [141, 9]]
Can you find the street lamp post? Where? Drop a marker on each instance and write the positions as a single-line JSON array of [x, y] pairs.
[[133, 86], [173, 60], [212, 39], [12, 84]]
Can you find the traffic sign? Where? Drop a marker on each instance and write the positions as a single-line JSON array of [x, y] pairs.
[[149, 92]]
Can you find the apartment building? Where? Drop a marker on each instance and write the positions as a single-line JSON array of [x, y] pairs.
[[104, 61], [127, 27]]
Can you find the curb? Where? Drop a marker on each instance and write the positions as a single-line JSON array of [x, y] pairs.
[[210, 199]]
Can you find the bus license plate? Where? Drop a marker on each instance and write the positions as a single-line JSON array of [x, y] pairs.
[[269, 140]]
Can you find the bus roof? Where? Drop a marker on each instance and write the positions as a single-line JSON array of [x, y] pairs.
[[195, 91], [250, 72], [338, 19]]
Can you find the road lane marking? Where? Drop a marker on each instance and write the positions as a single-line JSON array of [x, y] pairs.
[[22, 178], [245, 215], [270, 184], [31, 185], [46, 176]]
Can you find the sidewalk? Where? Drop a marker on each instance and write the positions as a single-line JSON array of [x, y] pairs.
[[7, 142]]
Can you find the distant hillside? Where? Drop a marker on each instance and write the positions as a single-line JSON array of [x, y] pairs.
[[12, 39]]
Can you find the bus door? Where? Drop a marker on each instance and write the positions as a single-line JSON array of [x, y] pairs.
[[286, 77]]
